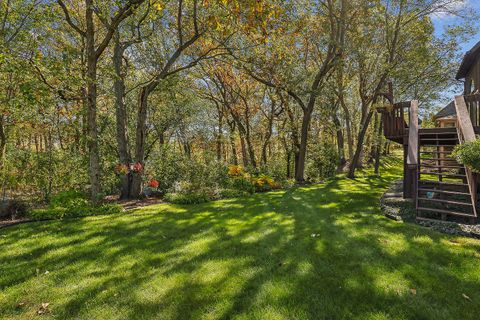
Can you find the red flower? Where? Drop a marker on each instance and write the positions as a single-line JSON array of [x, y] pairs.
[[137, 167], [154, 183]]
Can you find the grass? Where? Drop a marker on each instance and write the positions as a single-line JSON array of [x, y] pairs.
[[317, 252]]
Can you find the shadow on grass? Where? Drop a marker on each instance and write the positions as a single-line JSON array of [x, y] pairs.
[[318, 252]]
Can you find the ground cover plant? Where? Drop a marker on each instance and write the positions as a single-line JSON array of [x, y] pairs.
[[316, 252]]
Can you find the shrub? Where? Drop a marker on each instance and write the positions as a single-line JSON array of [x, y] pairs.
[[242, 183], [69, 199], [187, 198], [70, 204], [264, 183], [62, 212], [468, 154], [233, 193]]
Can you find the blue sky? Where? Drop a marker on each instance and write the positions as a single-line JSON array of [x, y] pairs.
[[471, 8]]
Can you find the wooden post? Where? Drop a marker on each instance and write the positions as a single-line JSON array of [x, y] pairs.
[[463, 119], [411, 167]]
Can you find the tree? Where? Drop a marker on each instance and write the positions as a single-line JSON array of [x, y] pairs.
[[93, 52], [327, 28]]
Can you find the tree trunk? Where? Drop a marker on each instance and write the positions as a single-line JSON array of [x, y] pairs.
[[3, 144], [359, 148], [231, 125], [234, 150], [268, 136], [244, 151], [219, 137], [378, 147], [121, 117], [92, 142], [289, 163], [140, 139], [340, 141], [91, 101], [302, 151]]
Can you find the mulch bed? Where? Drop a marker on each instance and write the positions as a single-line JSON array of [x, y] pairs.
[[133, 204], [395, 207]]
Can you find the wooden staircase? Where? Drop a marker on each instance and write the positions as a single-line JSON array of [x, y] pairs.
[[442, 187]]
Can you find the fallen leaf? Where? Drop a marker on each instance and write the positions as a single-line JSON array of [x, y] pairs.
[[413, 291], [466, 297], [20, 305], [44, 308]]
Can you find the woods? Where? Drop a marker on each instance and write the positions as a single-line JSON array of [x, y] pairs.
[[106, 96]]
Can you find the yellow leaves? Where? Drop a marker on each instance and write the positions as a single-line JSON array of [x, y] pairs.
[[158, 5], [235, 171]]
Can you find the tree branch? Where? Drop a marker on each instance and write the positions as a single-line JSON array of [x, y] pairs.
[[69, 19]]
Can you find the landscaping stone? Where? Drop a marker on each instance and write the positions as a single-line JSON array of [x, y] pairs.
[[396, 208]]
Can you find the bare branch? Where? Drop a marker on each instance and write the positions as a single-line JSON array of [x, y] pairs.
[[69, 19]]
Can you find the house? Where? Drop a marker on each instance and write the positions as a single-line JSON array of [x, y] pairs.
[[441, 188]]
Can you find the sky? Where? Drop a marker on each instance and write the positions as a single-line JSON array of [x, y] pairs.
[[471, 7], [441, 21]]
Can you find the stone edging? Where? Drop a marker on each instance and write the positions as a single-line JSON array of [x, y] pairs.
[[394, 207]]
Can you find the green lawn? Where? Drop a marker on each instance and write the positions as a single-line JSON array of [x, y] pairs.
[[318, 252]]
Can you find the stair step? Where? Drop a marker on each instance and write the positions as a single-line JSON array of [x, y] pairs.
[[444, 144], [455, 193], [453, 213], [434, 151], [446, 201], [458, 184], [423, 132], [444, 174], [439, 159], [426, 165]]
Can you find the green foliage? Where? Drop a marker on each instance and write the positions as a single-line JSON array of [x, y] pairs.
[[188, 198], [233, 193], [171, 168], [323, 161], [74, 212], [264, 183], [242, 184], [72, 203], [468, 154], [69, 199]]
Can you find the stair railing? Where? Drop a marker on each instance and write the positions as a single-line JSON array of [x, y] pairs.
[[413, 152], [466, 133]]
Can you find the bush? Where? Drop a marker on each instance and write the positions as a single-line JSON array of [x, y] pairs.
[[233, 193], [468, 154], [69, 199], [187, 198], [242, 183], [70, 204], [62, 212], [264, 183]]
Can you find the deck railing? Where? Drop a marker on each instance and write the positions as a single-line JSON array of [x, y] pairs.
[[465, 123], [395, 120]]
